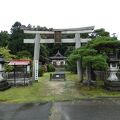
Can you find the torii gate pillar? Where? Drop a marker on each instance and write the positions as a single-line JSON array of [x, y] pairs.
[[36, 57], [79, 66]]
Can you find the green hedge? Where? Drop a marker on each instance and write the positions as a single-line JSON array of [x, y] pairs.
[[41, 71], [50, 68]]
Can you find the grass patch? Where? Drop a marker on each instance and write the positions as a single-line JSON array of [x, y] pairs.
[[72, 89], [25, 94]]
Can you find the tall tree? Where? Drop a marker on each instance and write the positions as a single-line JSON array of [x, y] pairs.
[[4, 38], [16, 38], [95, 53], [100, 32], [44, 54]]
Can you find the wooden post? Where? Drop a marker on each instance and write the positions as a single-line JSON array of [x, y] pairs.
[[14, 76], [24, 69]]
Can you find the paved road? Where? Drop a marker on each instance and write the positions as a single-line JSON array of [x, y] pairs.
[[81, 110], [30, 111], [87, 110]]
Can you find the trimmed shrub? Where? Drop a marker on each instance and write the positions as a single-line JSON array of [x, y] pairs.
[[41, 71], [50, 68]]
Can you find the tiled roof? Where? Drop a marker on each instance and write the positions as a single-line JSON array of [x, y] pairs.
[[58, 56], [19, 62]]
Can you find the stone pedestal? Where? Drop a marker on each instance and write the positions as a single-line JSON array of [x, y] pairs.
[[112, 82], [112, 85]]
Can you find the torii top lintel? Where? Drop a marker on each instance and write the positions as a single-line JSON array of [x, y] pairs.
[[88, 29], [57, 34]]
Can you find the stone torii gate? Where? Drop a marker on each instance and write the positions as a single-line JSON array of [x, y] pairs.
[[57, 39]]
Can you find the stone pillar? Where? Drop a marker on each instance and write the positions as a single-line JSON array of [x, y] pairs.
[[1, 67], [36, 57], [37, 47], [79, 66], [64, 62]]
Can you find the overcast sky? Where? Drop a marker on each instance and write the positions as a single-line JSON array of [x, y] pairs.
[[61, 13]]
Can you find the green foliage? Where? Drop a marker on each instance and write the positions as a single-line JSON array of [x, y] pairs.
[[84, 35], [84, 51], [71, 66], [95, 52], [43, 54], [50, 68], [97, 62], [5, 52], [8, 68], [16, 38], [24, 54], [41, 71], [4, 38], [77, 54], [103, 42], [17, 46], [100, 33], [69, 50]]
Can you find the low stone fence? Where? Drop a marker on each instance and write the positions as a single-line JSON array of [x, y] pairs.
[[11, 75], [18, 78]]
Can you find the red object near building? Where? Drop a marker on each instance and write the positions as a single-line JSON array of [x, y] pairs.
[[21, 73], [19, 62]]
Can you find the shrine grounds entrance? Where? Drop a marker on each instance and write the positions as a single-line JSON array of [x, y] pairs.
[[57, 40]]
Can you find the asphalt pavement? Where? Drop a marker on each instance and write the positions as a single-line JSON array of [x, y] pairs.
[[87, 110], [74, 110], [27, 111]]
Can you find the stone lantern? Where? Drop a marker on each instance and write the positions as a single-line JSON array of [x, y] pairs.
[[1, 67], [3, 82], [113, 82]]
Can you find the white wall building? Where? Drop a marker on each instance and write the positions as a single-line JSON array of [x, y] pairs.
[[58, 59]]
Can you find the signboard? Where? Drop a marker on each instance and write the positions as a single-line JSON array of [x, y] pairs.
[[36, 69], [57, 36], [57, 76]]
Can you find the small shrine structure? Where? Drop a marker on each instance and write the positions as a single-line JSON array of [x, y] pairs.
[[58, 59], [21, 72]]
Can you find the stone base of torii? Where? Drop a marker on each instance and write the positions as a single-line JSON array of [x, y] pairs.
[[57, 39]]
